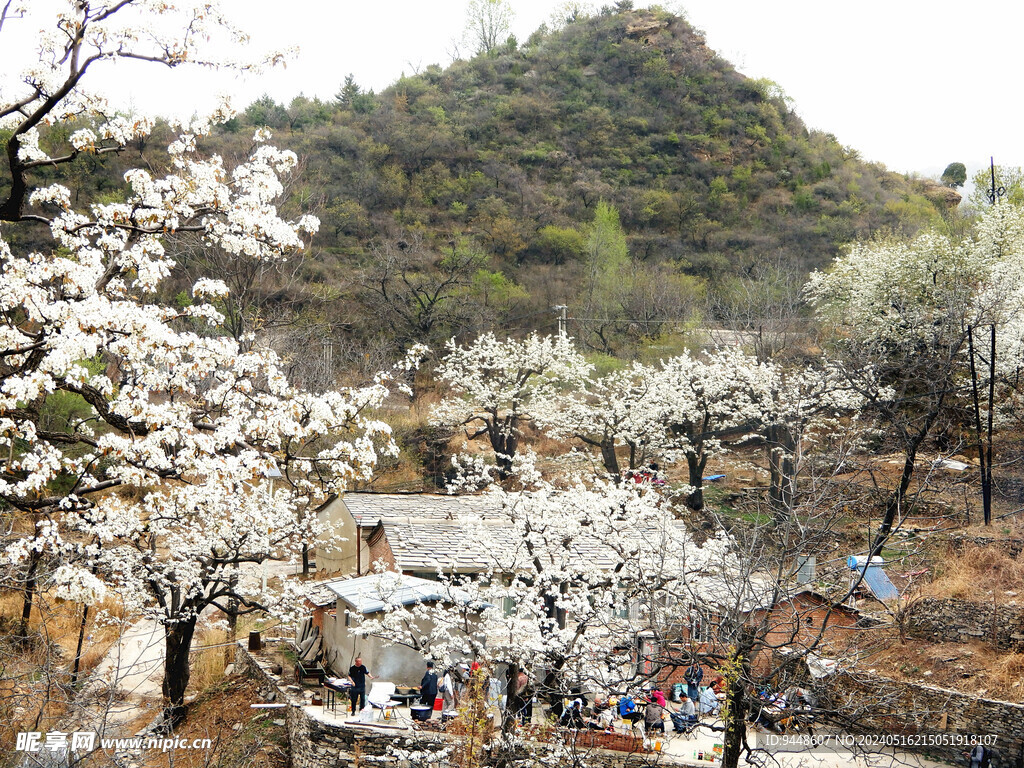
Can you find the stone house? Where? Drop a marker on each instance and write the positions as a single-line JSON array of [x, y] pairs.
[[365, 596], [364, 520]]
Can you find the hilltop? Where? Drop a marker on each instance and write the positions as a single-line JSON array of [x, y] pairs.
[[465, 199]]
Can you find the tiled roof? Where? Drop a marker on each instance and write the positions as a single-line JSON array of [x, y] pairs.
[[320, 595], [369, 508], [426, 545]]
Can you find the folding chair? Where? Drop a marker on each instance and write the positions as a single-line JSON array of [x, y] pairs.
[[379, 698], [683, 725]]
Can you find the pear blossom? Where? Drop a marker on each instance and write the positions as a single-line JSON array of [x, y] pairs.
[[495, 383], [576, 578], [179, 414]]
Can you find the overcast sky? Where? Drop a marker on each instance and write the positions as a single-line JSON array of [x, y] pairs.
[[912, 84]]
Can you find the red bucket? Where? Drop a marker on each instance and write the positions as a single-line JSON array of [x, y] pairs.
[[438, 704]]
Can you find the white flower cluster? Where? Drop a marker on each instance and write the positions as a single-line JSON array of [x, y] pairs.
[[912, 302], [77, 584], [492, 376], [188, 418], [610, 560]]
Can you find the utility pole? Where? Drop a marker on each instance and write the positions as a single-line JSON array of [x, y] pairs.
[[561, 308], [994, 192]]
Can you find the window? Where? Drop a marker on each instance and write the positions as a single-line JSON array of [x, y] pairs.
[[700, 627]]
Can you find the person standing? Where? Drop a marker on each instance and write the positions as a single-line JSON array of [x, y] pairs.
[[357, 673], [693, 675], [524, 691], [447, 691], [428, 686]]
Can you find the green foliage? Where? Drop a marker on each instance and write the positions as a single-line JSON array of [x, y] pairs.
[[488, 23], [265, 112], [606, 250], [1009, 179], [557, 245], [349, 92], [604, 364], [955, 175], [590, 166], [494, 289]]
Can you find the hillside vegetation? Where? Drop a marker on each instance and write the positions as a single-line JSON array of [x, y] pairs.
[[617, 166]]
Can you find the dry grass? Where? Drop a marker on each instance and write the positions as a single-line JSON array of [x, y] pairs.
[[971, 668], [57, 622], [979, 572], [35, 676], [207, 664], [1007, 675], [215, 715]]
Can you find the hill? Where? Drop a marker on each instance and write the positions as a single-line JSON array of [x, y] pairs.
[[470, 198]]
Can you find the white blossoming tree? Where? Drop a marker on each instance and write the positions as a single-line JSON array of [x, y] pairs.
[[495, 384], [155, 488], [801, 405], [576, 578], [902, 314], [615, 411], [704, 400]]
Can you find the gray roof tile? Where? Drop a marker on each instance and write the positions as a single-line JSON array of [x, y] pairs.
[[368, 508]]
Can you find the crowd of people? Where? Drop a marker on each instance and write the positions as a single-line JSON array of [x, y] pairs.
[[689, 701]]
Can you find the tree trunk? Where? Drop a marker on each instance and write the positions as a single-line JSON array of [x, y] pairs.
[[29, 595], [513, 700], [781, 446], [735, 725], [232, 617], [610, 460], [897, 499], [504, 445], [81, 641], [177, 644], [736, 703], [695, 463]]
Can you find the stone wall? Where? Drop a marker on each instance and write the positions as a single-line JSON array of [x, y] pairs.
[[1012, 547], [894, 707], [948, 620]]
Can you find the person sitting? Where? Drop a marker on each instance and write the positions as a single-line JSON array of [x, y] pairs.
[[604, 715], [573, 716], [653, 717], [684, 719], [686, 708], [628, 710], [658, 697], [708, 701]]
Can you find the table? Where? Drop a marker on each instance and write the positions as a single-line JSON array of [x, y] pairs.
[[332, 686], [406, 698]]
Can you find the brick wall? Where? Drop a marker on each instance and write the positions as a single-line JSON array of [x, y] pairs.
[[378, 548]]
